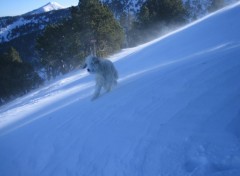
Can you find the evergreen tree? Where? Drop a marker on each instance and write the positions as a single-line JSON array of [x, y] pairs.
[[216, 4], [62, 47], [117, 7], [16, 77], [155, 15], [167, 11], [95, 22], [126, 21], [12, 55], [58, 49]]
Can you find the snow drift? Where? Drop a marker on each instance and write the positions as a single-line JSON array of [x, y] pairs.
[[176, 111]]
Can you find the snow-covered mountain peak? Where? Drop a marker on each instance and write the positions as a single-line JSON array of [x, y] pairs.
[[47, 8], [52, 6]]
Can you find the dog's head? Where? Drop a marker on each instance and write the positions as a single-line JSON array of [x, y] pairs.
[[91, 63]]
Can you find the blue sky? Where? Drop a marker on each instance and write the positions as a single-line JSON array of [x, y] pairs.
[[18, 7]]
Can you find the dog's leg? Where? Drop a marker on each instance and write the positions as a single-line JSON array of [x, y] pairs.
[[97, 92], [115, 83], [107, 87]]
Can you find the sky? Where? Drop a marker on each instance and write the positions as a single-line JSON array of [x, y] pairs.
[[18, 7]]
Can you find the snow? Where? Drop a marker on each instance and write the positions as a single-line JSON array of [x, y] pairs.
[[6, 32], [47, 8], [175, 111]]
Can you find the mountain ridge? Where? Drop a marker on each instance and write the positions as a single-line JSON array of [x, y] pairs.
[[32, 18], [21, 31], [46, 8]]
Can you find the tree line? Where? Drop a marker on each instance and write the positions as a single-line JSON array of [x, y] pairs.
[[93, 29]]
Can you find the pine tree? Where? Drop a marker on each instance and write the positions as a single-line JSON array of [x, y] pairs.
[[16, 77], [156, 15], [96, 22], [216, 4], [12, 55], [144, 15], [63, 47], [58, 49], [167, 11]]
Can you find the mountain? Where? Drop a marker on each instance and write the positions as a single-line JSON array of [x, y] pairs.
[[21, 31], [17, 26], [175, 111], [46, 8]]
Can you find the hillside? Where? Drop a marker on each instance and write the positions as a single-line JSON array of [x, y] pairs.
[[174, 112], [36, 20], [21, 31]]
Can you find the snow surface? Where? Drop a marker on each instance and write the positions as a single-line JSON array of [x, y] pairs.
[[175, 112]]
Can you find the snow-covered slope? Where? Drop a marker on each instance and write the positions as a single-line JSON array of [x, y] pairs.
[[46, 8], [175, 111]]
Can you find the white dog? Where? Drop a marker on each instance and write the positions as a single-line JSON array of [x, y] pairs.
[[106, 74]]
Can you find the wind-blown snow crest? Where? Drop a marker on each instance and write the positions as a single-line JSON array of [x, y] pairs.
[[175, 111]]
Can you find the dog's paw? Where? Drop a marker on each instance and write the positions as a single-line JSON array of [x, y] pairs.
[[94, 98]]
